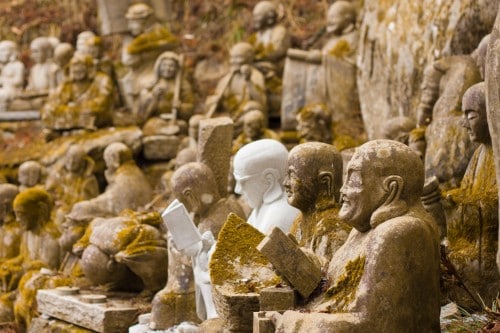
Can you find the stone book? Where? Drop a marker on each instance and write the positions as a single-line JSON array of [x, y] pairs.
[[179, 223]]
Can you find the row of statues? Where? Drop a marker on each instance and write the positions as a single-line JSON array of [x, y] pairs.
[[351, 230]]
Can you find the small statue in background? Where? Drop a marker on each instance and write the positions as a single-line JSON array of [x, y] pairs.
[[254, 127], [12, 74], [10, 231], [312, 183], [473, 214], [84, 101], [242, 84], [314, 123], [259, 171], [82, 39], [42, 78], [30, 174], [62, 56], [169, 99]]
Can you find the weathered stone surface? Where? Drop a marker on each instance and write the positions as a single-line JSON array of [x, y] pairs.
[[214, 148], [399, 37], [160, 147], [272, 299], [261, 324], [115, 315], [303, 274]]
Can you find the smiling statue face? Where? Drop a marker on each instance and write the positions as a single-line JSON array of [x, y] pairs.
[[168, 68]]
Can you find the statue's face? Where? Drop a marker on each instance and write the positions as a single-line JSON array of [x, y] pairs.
[[250, 186], [37, 54], [136, 26], [477, 126], [252, 128], [308, 130], [168, 69], [336, 22], [237, 59], [299, 185], [361, 195], [26, 217], [29, 177], [78, 71], [74, 162], [4, 55]]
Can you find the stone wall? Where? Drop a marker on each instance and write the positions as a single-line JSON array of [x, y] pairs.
[[399, 37]]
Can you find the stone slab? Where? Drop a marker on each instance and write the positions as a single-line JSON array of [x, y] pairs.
[[115, 315], [19, 115], [291, 262], [261, 324], [277, 299]]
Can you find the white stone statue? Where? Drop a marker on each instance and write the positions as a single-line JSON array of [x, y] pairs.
[[12, 74], [43, 74], [259, 171]]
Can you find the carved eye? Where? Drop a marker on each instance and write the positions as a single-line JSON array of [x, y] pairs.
[[470, 115]]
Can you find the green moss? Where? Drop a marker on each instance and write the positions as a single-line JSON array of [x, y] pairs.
[[345, 287]]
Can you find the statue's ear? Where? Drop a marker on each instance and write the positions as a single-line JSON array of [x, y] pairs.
[[326, 179], [394, 186], [187, 192]]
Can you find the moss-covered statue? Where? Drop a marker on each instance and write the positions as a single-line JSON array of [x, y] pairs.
[[84, 101], [271, 40], [312, 183], [74, 182], [254, 127], [11, 75], [242, 84], [473, 215], [314, 123], [168, 101], [375, 279], [10, 231]]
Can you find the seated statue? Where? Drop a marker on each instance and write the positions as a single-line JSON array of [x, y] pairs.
[[259, 171], [42, 77], [375, 279], [473, 211], [242, 84], [10, 231], [74, 182], [312, 183], [30, 174], [11, 75], [124, 252], [314, 123], [128, 187], [254, 127], [168, 100], [84, 101], [63, 53]]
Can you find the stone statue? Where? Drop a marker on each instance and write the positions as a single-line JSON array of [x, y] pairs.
[[62, 56], [74, 182], [42, 77], [242, 84], [124, 252], [82, 39], [312, 183], [259, 171], [473, 215], [439, 119], [168, 100], [12, 74], [10, 231], [270, 41], [84, 101], [93, 46], [30, 174], [194, 185], [375, 278], [127, 188], [254, 128], [314, 123]]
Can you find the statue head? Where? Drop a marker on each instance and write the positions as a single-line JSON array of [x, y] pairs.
[[264, 15], [259, 171], [474, 108], [41, 50], [194, 185], [7, 194], [314, 123], [384, 177], [82, 38], [8, 51], [241, 54], [30, 174], [81, 67], [254, 124], [340, 16], [63, 53], [398, 129], [115, 155], [185, 156], [166, 65], [138, 18], [92, 46], [75, 159], [32, 208], [314, 176]]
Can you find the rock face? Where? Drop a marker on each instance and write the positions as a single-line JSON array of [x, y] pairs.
[[399, 37]]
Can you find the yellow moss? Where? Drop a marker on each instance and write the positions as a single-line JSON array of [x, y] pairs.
[[345, 287], [157, 39], [341, 49], [344, 142]]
